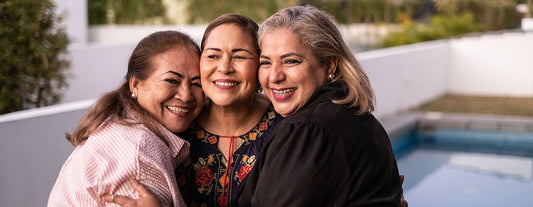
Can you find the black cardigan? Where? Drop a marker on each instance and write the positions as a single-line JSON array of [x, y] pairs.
[[324, 155]]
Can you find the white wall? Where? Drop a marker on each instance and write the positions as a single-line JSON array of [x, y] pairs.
[[527, 24], [492, 65], [116, 34], [405, 77], [75, 20], [32, 150], [96, 69]]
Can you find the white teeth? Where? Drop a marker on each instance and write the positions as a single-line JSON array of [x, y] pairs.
[[283, 92], [225, 83], [178, 109]]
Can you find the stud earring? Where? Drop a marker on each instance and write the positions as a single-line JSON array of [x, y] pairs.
[[331, 76], [133, 95]]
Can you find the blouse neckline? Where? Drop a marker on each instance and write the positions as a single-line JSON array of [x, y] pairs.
[[247, 137]]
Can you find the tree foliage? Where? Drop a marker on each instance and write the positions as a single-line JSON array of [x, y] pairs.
[[456, 17], [32, 47], [440, 26], [493, 14], [126, 11], [345, 11], [207, 10]]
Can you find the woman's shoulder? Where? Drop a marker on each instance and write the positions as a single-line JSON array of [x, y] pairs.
[[334, 118], [320, 112], [121, 131], [114, 137]]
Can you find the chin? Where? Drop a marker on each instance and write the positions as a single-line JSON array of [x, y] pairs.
[[177, 128]]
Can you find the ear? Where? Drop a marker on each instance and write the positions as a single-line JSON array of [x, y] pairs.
[[332, 66], [134, 84]]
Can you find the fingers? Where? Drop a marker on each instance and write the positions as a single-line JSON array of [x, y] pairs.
[[117, 199], [404, 202], [141, 190]]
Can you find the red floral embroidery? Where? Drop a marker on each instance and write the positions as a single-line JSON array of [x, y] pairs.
[[204, 176], [212, 139], [222, 200], [245, 169], [263, 126]]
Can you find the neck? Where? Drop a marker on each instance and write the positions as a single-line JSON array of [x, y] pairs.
[[235, 119]]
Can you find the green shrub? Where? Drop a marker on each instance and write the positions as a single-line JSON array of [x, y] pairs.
[[493, 14], [441, 26], [126, 11], [32, 70]]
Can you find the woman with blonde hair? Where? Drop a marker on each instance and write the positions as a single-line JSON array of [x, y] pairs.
[[329, 150]]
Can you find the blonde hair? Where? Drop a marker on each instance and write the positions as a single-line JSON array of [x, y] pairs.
[[318, 31], [114, 105]]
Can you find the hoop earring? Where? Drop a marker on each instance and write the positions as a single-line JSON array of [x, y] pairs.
[[331, 76]]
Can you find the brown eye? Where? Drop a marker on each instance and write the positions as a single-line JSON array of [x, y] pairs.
[[291, 61], [197, 85], [172, 81], [264, 63]]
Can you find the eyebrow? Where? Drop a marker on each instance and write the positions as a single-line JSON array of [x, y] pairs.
[[181, 76], [212, 48], [284, 56], [233, 51], [291, 54], [176, 73], [240, 49]]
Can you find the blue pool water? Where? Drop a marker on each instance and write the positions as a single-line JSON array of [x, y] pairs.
[[471, 168]]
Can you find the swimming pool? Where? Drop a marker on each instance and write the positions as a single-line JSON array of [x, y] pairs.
[[469, 161]]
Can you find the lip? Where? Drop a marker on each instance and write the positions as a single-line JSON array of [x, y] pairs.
[[282, 94], [225, 83], [180, 111]]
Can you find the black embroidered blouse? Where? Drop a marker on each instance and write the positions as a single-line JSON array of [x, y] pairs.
[[202, 177]]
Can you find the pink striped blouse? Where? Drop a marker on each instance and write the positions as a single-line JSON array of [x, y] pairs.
[[111, 158]]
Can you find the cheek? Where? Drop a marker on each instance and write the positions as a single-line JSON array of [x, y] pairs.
[[263, 77], [145, 95], [252, 77], [205, 68], [149, 103], [160, 94], [199, 97], [252, 71]]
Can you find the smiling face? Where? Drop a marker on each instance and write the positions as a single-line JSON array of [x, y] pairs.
[[289, 73], [228, 65], [172, 93]]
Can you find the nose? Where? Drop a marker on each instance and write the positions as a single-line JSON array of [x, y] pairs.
[[184, 93], [276, 74], [224, 65]]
